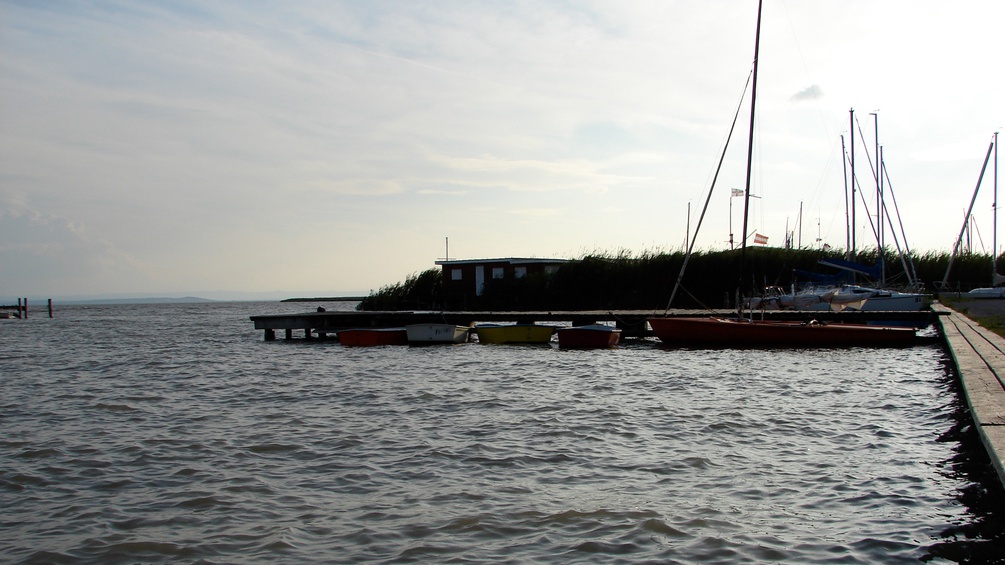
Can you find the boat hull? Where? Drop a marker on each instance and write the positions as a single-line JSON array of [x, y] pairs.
[[436, 333], [722, 332], [588, 337], [514, 333], [852, 297], [369, 337]]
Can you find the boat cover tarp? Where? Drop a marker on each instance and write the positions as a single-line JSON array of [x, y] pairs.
[[820, 278], [873, 272]]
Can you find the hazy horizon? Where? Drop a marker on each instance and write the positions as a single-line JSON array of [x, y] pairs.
[[346, 144]]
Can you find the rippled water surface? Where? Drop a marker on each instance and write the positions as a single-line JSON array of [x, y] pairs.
[[175, 433]]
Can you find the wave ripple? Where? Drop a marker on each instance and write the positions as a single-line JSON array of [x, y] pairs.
[[200, 442]]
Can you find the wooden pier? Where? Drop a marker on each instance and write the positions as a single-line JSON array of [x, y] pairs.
[[631, 322], [979, 355], [19, 311]]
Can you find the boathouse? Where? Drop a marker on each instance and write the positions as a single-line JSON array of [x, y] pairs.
[[464, 280]]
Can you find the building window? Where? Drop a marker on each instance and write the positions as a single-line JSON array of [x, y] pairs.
[[455, 274], [497, 272], [551, 269], [520, 272]]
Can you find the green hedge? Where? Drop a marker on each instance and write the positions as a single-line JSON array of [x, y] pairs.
[[624, 281]]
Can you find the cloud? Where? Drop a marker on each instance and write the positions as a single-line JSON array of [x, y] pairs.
[[810, 93], [38, 251], [437, 192], [207, 140], [539, 212], [359, 187]]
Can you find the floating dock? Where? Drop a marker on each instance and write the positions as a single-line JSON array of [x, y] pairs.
[[631, 322], [979, 355]]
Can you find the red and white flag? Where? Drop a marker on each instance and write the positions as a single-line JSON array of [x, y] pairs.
[[760, 239]]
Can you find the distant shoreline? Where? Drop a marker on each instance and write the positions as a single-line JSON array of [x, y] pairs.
[[326, 299]]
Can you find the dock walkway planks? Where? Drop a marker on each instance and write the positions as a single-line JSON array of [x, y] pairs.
[[979, 355]]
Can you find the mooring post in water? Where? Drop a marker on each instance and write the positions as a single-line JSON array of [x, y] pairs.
[[50, 307]]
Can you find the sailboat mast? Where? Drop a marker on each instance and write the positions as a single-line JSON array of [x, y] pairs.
[[847, 230], [994, 230], [851, 121], [879, 202], [966, 219], [750, 150]]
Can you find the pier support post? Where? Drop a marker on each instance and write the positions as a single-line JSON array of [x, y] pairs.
[[270, 335], [50, 307], [289, 333]]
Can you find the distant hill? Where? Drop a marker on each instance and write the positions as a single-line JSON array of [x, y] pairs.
[[150, 300], [326, 299]]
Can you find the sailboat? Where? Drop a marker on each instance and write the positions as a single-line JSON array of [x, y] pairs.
[[743, 332], [996, 279], [838, 292], [996, 290]]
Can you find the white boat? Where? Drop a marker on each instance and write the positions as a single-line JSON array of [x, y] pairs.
[[996, 292], [838, 298], [437, 333]]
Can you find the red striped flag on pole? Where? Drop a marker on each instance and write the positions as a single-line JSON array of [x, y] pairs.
[[760, 239]]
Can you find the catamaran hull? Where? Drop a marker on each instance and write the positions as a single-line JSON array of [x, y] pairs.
[[722, 332]]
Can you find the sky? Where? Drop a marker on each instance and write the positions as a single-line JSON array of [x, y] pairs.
[[243, 149]]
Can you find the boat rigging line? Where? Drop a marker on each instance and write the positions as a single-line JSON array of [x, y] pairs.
[[708, 197]]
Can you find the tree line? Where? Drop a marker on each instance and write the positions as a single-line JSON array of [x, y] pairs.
[[627, 281]]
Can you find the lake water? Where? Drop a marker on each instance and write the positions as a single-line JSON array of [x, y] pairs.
[[175, 433]]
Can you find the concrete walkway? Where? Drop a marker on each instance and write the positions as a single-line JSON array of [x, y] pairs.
[[980, 360]]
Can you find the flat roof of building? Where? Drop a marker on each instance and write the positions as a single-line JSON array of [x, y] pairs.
[[509, 260]]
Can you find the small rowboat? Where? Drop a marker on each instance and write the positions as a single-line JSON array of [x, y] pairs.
[[436, 333], [513, 333], [589, 336], [366, 337]]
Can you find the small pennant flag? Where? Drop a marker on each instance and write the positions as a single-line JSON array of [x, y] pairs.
[[760, 239], [737, 192]]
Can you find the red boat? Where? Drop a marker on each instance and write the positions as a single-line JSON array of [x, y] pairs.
[[373, 336], [590, 336], [728, 332]]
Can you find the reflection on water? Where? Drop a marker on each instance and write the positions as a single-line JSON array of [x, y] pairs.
[[176, 433], [981, 537]]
